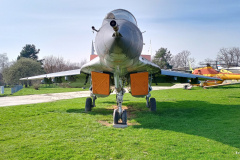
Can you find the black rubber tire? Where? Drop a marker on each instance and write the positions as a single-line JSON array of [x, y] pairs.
[[153, 105], [115, 116], [124, 117], [88, 105], [185, 86]]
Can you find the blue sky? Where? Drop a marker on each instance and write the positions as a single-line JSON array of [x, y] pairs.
[[63, 27]]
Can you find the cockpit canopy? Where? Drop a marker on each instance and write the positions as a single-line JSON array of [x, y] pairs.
[[121, 14]]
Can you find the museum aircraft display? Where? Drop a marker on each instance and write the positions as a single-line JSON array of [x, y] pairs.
[[228, 69], [209, 71], [119, 44]]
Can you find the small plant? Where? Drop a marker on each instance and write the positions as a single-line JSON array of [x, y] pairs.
[[36, 85]]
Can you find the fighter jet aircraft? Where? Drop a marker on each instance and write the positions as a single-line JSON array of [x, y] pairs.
[[119, 44]]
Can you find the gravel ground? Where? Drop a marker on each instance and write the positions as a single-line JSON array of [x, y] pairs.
[[40, 98]]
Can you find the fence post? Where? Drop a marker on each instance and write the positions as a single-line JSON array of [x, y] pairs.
[[12, 89], [2, 89], [16, 88]]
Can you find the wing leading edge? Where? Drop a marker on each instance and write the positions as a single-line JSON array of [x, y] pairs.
[[94, 65], [186, 75], [53, 75]]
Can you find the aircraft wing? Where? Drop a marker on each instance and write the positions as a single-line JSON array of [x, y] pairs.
[[166, 77], [146, 65], [186, 75], [53, 75], [94, 65], [143, 65]]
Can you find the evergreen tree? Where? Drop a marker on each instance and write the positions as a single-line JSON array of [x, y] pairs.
[[29, 51], [162, 58]]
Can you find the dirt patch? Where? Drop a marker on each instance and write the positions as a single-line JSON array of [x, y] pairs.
[[130, 115], [106, 123]]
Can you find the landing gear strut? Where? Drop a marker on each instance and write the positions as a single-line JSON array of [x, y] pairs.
[[152, 103], [119, 113]]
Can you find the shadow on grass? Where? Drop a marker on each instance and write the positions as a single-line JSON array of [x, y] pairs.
[[95, 111], [3, 95], [76, 110], [225, 87], [213, 121]]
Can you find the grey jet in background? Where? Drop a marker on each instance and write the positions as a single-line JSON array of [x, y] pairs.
[[119, 44]]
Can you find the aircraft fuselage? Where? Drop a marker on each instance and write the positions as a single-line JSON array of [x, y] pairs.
[[119, 52]]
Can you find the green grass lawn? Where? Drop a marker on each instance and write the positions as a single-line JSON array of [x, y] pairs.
[[189, 124], [44, 89]]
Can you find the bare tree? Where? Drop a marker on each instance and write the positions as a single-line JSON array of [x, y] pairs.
[[84, 61], [182, 59], [4, 62], [236, 51], [207, 61], [53, 64], [229, 56], [49, 64], [1, 80]]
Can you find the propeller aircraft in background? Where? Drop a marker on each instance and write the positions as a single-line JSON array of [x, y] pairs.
[[209, 71], [119, 44], [228, 69]]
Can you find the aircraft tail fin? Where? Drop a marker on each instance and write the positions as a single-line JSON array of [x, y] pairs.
[[219, 67], [190, 67]]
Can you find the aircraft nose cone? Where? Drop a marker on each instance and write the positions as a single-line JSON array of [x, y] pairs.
[[118, 44]]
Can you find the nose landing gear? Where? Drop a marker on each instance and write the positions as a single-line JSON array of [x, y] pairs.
[[120, 113], [117, 117]]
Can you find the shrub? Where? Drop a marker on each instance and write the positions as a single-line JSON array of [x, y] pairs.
[[36, 85]]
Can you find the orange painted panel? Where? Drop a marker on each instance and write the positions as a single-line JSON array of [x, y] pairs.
[[139, 83], [93, 56], [100, 83], [205, 70], [148, 57]]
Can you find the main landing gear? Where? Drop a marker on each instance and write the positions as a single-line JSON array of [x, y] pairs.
[[119, 113], [152, 103], [90, 103]]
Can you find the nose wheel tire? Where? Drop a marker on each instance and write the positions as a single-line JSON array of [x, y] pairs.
[[153, 104], [124, 117], [88, 105], [115, 116], [185, 86]]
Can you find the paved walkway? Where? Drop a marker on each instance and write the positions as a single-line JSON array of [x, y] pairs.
[[40, 98]]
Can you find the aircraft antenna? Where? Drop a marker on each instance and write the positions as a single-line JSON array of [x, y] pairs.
[[92, 49], [150, 49]]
